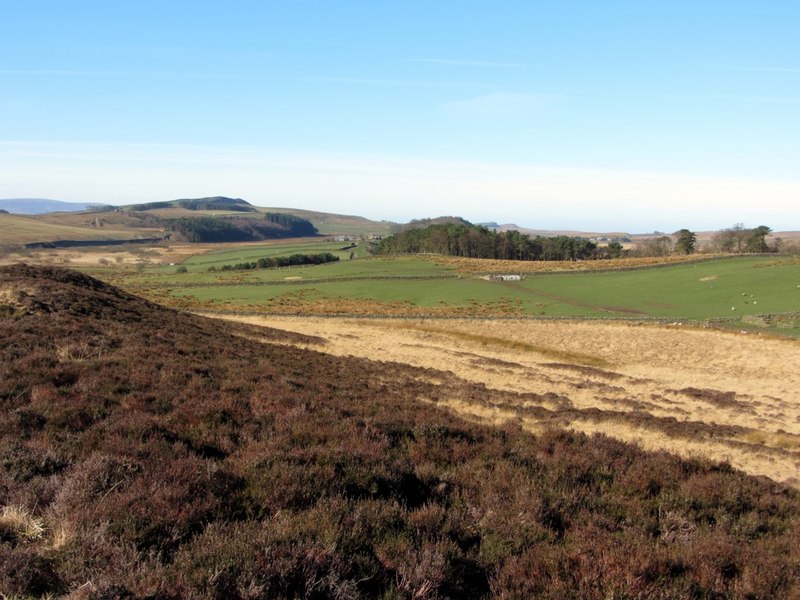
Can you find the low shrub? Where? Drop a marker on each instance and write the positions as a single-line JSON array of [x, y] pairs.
[[175, 457]]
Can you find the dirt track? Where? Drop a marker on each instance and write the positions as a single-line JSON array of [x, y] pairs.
[[700, 393]]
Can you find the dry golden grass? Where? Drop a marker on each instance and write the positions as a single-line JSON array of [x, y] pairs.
[[119, 256], [643, 383], [116, 256], [20, 229], [18, 524]]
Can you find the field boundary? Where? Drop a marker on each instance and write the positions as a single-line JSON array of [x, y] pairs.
[[720, 323]]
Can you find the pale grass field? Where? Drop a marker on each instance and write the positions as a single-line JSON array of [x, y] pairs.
[[21, 229], [175, 252], [697, 392], [150, 255]]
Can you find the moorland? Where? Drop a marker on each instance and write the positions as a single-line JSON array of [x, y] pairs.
[[392, 425], [152, 453]]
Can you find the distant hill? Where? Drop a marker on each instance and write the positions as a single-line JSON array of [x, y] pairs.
[[427, 222], [209, 203], [555, 232], [337, 224], [38, 206]]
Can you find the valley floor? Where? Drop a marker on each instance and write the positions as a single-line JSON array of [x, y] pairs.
[[699, 393]]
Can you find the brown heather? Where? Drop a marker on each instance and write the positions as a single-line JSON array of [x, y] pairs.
[[166, 455], [700, 393]]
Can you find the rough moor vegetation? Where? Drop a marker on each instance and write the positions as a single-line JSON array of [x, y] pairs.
[[146, 453]]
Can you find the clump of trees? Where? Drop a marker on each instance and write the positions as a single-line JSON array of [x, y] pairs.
[[685, 241], [208, 229], [739, 239], [238, 229], [292, 226], [682, 241], [272, 262], [736, 240], [474, 241], [661, 245]]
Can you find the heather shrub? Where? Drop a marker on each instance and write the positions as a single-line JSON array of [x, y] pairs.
[[170, 456], [25, 572]]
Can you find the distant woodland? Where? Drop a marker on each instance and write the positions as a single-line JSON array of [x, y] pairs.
[[475, 241], [221, 229], [461, 238]]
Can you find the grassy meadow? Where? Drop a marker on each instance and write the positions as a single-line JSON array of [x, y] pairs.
[[732, 291]]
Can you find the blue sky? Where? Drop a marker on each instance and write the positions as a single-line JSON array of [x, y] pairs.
[[564, 115]]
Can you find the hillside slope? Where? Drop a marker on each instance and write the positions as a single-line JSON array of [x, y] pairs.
[[150, 453], [17, 230], [37, 206]]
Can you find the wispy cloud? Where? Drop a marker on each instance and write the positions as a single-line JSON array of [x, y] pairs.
[[126, 74], [468, 63], [397, 188], [378, 81], [498, 105], [770, 69]]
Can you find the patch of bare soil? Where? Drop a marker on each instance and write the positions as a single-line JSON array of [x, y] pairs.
[[695, 392]]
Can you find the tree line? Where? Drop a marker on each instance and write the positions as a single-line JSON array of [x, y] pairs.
[[272, 262], [738, 239], [475, 241], [733, 240]]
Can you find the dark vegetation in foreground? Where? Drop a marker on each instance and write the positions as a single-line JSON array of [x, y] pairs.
[[169, 456]]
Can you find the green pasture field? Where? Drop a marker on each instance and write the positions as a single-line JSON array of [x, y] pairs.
[[270, 249], [421, 292], [197, 268], [726, 289], [705, 290]]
